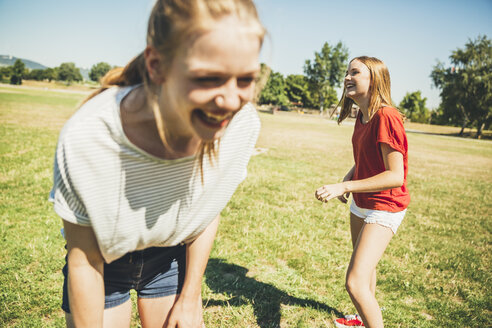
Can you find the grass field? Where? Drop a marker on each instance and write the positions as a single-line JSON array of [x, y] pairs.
[[280, 256]]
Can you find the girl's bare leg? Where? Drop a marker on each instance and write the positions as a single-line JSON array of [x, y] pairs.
[[118, 316], [356, 224], [360, 282], [155, 311]]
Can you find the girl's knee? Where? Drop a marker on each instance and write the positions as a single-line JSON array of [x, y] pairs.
[[351, 284], [355, 284]]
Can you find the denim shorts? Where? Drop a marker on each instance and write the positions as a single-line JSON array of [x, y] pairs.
[[152, 272], [390, 220]]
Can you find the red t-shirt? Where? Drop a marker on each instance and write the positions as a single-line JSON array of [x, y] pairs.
[[385, 126]]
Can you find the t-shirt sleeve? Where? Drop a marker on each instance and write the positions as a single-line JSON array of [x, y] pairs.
[[65, 200], [392, 132]]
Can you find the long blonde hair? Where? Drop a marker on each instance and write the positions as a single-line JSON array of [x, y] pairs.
[[380, 89], [170, 23]]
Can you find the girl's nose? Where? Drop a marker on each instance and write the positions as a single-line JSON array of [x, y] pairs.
[[230, 97]]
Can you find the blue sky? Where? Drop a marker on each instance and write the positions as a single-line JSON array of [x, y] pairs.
[[409, 36]]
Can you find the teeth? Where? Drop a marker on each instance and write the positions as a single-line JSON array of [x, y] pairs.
[[216, 117]]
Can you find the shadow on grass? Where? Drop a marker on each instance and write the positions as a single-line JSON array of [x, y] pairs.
[[231, 279]]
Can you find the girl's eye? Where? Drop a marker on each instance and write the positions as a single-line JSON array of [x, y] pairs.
[[208, 80], [351, 73], [215, 81], [243, 82]]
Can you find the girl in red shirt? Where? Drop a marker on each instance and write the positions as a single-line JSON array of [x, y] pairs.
[[378, 181]]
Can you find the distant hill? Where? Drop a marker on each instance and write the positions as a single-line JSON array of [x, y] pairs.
[[10, 60]]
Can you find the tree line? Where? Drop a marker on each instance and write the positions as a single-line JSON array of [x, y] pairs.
[[316, 87], [66, 72], [313, 89], [465, 86]]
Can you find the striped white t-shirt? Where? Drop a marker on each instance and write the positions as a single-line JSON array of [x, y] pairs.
[[134, 200]]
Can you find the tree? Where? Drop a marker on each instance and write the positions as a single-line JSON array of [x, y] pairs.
[[297, 90], [413, 106], [99, 70], [50, 74], [5, 73], [68, 72], [35, 74], [466, 86], [17, 72], [326, 72], [437, 117], [274, 90]]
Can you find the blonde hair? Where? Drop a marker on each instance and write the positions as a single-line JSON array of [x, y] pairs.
[[170, 23], [380, 89]]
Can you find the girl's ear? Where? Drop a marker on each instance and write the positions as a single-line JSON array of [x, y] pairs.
[[153, 65]]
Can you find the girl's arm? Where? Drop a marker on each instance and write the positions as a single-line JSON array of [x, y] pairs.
[[85, 276], [392, 177], [187, 311]]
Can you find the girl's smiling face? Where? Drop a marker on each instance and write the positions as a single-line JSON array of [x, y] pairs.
[[210, 79], [357, 81]]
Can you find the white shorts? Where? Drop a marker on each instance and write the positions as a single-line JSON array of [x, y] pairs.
[[391, 220]]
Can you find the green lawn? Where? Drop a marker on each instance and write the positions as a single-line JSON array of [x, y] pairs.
[[280, 256]]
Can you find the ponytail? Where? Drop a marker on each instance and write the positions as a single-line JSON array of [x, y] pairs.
[[133, 73]]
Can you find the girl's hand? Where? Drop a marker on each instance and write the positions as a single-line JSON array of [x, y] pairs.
[[187, 311], [186, 314], [344, 197], [327, 192]]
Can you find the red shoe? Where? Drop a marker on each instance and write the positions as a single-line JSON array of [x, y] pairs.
[[349, 321]]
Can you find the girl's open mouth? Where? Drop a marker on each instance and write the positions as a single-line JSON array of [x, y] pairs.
[[214, 120]]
